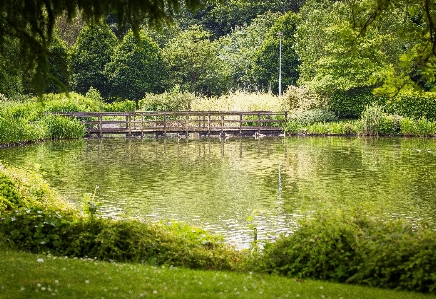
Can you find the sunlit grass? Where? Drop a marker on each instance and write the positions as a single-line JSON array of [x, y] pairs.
[[24, 275]]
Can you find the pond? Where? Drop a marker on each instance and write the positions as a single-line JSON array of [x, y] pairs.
[[230, 187]]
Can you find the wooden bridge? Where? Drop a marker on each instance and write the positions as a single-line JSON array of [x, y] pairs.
[[203, 123]]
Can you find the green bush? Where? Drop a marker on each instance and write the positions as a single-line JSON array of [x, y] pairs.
[[351, 103], [121, 106], [72, 102], [414, 105], [326, 248], [63, 127], [421, 127], [351, 247], [174, 100]]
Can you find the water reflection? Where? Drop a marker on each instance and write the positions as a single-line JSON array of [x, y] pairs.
[[231, 186]]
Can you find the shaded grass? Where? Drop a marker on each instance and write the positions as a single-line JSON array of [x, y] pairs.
[[23, 276]]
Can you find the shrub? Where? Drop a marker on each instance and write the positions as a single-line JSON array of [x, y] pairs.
[[371, 119], [300, 98], [121, 106], [414, 105], [62, 127], [352, 103], [72, 102], [174, 100], [348, 246], [421, 127]]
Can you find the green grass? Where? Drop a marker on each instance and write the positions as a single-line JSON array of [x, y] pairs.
[[24, 275]]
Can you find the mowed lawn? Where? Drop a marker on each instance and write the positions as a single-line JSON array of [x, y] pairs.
[[24, 275]]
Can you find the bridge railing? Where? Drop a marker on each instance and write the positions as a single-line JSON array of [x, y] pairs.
[[206, 122]]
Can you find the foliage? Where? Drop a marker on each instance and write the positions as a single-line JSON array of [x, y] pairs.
[[371, 119], [30, 120], [421, 127], [121, 106], [31, 25], [11, 68], [239, 48], [174, 100], [193, 63], [58, 61], [221, 18], [414, 105], [72, 102], [334, 55], [89, 55], [267, 57], [25, 189], [62, 127], [347, 246], [135, 68], [302, 99], [351, 103], [312, 116]]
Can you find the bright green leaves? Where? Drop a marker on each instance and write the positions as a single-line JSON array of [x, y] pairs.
[[194, 65], [135, 67], [92, 51]]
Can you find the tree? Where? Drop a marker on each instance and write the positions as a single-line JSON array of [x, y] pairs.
[[135, 68], [222, 17], [193, 63], [266, 69], [239, 48], [92, 51], [333, 56], [31, 22], [58, 61], [345, 45]]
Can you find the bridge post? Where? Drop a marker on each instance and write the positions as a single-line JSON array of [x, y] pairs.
[[100, 126], [165, 124]]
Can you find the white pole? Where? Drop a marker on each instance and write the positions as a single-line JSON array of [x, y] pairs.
[[280, 34]]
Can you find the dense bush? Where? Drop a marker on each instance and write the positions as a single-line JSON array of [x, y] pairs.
[[121, 106], [301, 98], [174, 100], [351, 103], [62, 127], [354, 248], [414, 105], [135, 68]]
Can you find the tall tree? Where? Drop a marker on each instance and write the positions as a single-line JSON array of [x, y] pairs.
[[91, 52], [267, 57], [353, 44], [135, 68], [239, 49], [194, 64]]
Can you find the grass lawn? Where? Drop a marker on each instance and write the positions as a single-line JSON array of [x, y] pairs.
[[24, 275]]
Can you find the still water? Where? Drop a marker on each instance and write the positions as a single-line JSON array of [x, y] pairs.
[[231, 186]]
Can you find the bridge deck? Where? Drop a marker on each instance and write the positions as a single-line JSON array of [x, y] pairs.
[[182, 122]]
